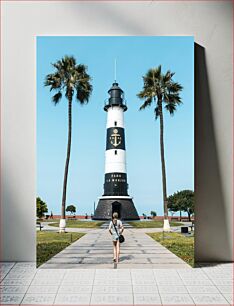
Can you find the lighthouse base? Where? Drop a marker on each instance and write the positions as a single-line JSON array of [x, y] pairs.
[[124, 206]]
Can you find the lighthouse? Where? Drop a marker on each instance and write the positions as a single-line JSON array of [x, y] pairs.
[[115, 197]]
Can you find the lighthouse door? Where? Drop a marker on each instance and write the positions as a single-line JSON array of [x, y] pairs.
[[116, 207]]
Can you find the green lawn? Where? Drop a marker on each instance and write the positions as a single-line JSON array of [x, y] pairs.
[[80, 224], [180, 245], [151, 224], [51, 243]]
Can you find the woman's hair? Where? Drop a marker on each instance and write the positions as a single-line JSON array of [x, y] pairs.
[[115, 215]]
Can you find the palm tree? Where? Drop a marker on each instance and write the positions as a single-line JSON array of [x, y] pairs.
[[69, 78], [160, 89]]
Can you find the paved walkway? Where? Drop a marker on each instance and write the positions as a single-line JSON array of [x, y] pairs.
[[22, 283], [94, 251]]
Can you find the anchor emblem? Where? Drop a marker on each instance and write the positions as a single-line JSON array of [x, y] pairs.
[[115, 138]]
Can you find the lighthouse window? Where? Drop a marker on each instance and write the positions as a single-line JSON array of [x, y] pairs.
[[115, 123], [115, 152]]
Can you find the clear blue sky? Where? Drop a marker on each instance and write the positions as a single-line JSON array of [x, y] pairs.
[[135, 55]]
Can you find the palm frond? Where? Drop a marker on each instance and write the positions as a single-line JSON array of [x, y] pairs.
[[71, 60], [156, 112], [157, 72], [160, 87], [53, 80], [57, 97], [68, 63], [172, 98], [167, 76], [81, 69], [69, 77], [84, 90], [57, 65], [146, 103], [171, 107], [174, 87], [148, 92], [152, 77], [141, 94]]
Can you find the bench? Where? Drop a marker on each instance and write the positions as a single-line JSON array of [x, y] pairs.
[[184, 229]]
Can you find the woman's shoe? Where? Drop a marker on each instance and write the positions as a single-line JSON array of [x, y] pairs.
[[114, 260]]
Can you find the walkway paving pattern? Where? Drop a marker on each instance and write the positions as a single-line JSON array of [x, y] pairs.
[[22, 283], [84, 274], [94, 250]]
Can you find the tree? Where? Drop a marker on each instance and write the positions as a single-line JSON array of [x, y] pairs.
[[71, 209], [153, 213], [182, 201], [161, 90], [187, 202], [173, 203], [41, 208], [69, 78]]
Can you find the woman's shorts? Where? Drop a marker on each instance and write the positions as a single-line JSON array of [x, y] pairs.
[[115, 237]]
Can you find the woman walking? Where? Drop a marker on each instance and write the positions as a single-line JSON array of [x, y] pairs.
[[116, 229]]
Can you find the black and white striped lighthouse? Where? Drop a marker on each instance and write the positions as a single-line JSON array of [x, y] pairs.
[[115, 197]]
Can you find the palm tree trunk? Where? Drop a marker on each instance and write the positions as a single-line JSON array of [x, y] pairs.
[[68, 156], [164, 182]]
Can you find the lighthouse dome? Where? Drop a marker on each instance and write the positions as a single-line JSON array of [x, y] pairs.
[[116, 97]]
